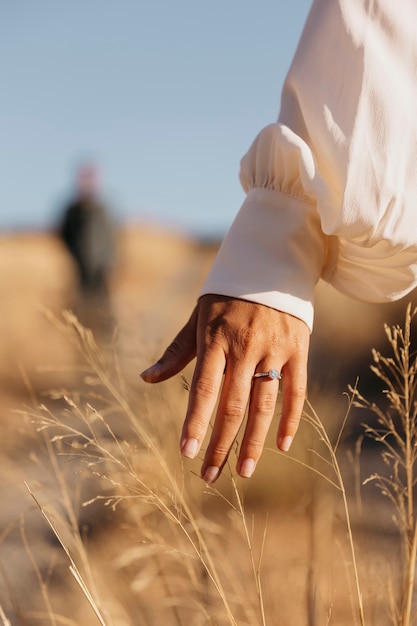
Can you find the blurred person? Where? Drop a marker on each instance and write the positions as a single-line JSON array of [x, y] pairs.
[[88, 234], [331, 193]]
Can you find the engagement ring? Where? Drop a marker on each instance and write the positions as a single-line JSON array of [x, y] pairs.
[[272, 374]]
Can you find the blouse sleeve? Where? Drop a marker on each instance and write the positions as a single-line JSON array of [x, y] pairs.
[[332, 185]]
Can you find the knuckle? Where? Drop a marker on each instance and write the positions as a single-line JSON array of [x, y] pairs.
[[296, 389], [265, 405], [247, 340], [244, 338], [204, 388], [254, 445], [292, 422], [174, 349], [220, 451], [214, 335], [298, 394], [197, 426], [233, 410]]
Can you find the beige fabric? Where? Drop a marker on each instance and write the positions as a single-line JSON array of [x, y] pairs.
[[332, 185]]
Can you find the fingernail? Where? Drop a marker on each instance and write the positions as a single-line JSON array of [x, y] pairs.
[[284, 444], [189, 448], [247, 468], [211, 474], [150, 372]]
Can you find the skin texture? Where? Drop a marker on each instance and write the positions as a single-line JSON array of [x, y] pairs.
[[232, 339]]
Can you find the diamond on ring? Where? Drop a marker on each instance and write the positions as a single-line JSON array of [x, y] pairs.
[[272, 374]]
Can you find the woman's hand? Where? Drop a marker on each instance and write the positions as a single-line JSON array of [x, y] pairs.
[[232, 340]]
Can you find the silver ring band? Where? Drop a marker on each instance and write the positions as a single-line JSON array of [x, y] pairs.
[[272, 374]]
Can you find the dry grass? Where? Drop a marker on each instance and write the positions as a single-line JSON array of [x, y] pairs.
[[180, 566], [119, 530], [396, 434]]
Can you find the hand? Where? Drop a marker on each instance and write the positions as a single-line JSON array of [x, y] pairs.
[[232, 339]]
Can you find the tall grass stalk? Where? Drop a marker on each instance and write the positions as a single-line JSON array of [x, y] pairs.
[[41, 582], [255, 563], [396, 431], [72, 568], [85, 432], [4, 620], [136, 474], [331, 472]]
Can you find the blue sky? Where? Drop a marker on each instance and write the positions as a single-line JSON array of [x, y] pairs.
[[166, 96]]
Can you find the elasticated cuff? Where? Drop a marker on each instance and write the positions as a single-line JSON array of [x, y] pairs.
[[272, 254]]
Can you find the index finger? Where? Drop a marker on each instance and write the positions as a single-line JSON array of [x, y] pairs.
[[204, 391]]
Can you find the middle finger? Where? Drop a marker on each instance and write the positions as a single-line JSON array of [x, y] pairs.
[[231, 410]]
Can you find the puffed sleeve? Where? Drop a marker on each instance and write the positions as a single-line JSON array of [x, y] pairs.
[[332, 185], [273, 253]]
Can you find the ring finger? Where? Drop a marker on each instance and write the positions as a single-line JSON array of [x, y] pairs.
[[262, 405]]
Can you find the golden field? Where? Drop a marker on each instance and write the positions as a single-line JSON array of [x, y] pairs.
[[155, 546]]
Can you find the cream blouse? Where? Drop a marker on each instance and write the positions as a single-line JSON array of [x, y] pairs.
[[332, 185]]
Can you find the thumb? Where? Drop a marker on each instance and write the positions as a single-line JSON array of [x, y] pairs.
[[178, 354]]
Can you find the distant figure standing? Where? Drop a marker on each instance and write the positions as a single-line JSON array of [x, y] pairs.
[[88, 234]]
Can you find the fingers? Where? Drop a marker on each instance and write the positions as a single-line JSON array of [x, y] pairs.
[[241, 389], [230, 414], [249, 338], [207, 381], [221, 335], [262, 409], [294, 391], [260, 414], [178, 354]]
